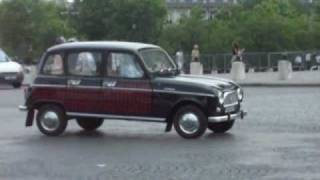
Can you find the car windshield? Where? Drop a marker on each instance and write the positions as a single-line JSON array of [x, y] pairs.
[[157, 60], [3, 57]]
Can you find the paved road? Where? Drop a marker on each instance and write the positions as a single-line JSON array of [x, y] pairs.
[[280, 139]]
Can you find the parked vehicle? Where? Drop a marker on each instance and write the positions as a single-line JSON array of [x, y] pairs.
[[10, 72], [94, 81]]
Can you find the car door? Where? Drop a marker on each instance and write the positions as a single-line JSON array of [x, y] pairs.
[[84, 82], [127, 90], [51, 82]]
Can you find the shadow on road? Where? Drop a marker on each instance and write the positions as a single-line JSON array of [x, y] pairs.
[[98, 138]]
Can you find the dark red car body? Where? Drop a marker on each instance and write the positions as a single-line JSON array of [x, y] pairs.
[[152, 98]]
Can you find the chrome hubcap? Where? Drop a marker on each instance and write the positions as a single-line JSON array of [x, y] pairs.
[[49, 121], [189, 123]]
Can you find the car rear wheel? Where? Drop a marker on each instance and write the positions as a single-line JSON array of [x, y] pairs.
[[51, 120], [190, 122], [221, 127], [90, 124]]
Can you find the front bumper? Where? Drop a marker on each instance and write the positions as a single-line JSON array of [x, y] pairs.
[[229, 117]]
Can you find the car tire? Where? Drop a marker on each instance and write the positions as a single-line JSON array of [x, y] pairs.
[[17, 85], [221, 127], [51, 120], [89, 124], [190, 122]]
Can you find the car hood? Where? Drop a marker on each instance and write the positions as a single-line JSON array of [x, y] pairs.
[[193, 84], [7, 67], [218, 83]]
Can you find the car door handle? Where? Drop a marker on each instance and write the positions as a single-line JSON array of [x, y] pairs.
[[74, 82], [109, 83]]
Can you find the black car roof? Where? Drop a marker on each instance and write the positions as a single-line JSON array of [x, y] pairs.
[[134, 46]]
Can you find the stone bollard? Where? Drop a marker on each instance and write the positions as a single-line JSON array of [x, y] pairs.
[[238, 71], [285, 70], [196, 68]]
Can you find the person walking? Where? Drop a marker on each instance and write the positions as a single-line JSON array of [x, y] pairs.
[[236, 52]]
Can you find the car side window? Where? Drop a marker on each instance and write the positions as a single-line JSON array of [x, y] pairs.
[[53, 65], [123, 65], [84, 63]]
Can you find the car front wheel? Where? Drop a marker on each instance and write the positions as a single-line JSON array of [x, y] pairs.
[[51, 120], [89, 124], [221, 127], [190, 122]]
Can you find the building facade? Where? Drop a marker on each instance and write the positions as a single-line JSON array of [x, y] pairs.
[[180, 8]]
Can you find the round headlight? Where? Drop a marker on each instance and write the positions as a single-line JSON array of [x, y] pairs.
[[240, 94]]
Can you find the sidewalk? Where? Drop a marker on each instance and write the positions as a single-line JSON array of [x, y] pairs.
[[301, 78]]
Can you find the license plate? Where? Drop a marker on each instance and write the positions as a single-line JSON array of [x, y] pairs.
[[230, 109]]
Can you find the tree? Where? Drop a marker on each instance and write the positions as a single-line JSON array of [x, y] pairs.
[[268, 25], [191, 30], [28, 27], [131, 20]]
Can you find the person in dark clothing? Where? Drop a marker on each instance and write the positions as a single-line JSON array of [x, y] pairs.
[[236, 52]]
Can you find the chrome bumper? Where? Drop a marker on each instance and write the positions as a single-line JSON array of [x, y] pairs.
[[229, 117], [23, 108]]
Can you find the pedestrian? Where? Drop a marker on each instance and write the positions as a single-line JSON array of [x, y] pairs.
[[236, 52], [195, 54], [180, 59]]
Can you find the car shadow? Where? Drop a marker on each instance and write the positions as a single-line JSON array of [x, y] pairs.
[[104, 137]]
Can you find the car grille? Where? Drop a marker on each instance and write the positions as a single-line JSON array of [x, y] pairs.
[[231, 98]]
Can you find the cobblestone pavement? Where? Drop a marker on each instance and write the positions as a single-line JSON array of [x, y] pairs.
[[280, 139]]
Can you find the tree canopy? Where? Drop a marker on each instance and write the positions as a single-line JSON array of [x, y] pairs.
[[28, 27], [129, 20]]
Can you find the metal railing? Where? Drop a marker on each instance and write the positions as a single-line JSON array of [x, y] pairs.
[[255, 61]]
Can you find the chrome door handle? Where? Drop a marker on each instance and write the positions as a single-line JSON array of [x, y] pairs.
[[74, 82], [109, 83]]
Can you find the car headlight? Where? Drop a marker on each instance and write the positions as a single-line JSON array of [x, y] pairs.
[[240, 94]]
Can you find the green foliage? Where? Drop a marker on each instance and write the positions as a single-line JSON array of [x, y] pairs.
[[28, 27], [130, 20], [268, 25]]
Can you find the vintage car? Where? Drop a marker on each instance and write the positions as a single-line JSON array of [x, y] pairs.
[[94, 81], [10, 72]]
